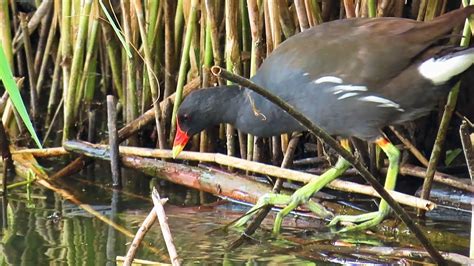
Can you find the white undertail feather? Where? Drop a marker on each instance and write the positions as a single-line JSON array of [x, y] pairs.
[[441, 70]]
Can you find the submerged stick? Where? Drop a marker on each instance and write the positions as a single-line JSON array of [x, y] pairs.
[[342, 152]]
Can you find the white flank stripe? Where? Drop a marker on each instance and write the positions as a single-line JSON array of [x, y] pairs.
[[348, 88], [377, 99], [442, 70], [330, 79], [383, 102], [347, 95], [306, 74]]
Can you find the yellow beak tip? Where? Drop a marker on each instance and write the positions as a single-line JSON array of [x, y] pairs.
[[177, 150]]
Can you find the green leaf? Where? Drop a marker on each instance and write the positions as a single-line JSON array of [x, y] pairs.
[[6, 77], [116, 29], [451, 155]]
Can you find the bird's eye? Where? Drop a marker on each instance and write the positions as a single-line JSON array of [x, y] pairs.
[[185, 117]]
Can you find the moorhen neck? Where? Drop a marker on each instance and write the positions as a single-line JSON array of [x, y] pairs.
[[351, 77]]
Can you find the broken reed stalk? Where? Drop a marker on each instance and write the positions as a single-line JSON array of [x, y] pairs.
[[139, 236], [99, 151], [444, 124], [435, 255], [113, 141], [165, 229]]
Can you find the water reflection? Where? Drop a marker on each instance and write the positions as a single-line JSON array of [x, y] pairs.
[[52, 230]]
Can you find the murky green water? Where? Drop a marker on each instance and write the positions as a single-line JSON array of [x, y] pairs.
[[49, 230]]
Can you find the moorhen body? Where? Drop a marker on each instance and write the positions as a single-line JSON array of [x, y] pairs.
[[351, 77]]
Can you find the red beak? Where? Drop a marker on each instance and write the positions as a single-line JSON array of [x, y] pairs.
[[180, 140]]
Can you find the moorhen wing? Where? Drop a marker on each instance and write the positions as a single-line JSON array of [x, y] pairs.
[[351, 77]]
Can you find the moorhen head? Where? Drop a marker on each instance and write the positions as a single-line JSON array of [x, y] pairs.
[[351, 77]]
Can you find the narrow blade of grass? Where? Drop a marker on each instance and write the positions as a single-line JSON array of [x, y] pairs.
[[10, 85]]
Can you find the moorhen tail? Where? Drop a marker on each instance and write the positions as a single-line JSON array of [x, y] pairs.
[[351, 77]]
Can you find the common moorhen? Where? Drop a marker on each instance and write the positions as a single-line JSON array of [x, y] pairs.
[[351, 77]]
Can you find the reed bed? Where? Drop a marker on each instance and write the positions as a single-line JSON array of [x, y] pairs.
[[74, 53]]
